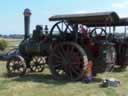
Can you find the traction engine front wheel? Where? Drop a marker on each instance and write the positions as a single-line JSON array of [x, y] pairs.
[[37, 64], [16, 65]]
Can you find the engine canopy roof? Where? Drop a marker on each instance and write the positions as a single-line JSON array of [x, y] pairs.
[[92, 19]]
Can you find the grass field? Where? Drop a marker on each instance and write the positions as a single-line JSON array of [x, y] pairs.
[[13, 43], [42, 84]]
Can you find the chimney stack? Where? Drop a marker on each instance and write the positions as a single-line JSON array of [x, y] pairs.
[[27, 14]]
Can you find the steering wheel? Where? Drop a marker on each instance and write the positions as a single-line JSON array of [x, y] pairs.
[[97, 33]]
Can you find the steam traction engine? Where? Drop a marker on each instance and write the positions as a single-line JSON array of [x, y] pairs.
[[64, 49]]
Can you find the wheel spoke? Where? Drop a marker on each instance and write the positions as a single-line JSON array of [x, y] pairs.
[[11, 64], [70, 73], [59, 53], [11, 68], [58, 61], [101, 32], [34, 59], [72, 50], [58, 57], [39, 59], [67, 26], [57, 66], [59, 29], [20, 69], [67, 50], [62, 51], [60, 72], [75, 70]]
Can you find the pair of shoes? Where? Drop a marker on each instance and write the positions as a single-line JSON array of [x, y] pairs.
[[88, 79]]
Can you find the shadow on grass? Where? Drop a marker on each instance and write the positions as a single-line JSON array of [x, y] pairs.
[[44, 78], [6, 75], [119, 70], [96, 80], [39, 78]]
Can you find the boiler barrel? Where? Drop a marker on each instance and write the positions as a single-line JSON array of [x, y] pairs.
[[29, 47]]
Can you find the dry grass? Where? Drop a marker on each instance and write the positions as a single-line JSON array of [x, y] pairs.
[[12, 43], [42, 84]]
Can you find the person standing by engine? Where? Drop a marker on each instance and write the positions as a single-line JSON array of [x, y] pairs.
[[87, 75], [84, 31]]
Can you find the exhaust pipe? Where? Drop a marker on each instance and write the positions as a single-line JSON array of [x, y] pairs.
[[27, 14]]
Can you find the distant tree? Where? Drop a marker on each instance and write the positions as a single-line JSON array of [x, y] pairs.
[[3, 44]]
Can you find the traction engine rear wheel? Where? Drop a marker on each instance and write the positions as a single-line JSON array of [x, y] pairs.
[[106, 60], [110, 59], [123, 60], [67, 60]]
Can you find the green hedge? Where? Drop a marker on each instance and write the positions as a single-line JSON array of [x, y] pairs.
[[3, 44]]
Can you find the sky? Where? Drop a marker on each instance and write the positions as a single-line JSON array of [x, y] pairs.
[[12, 20]]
